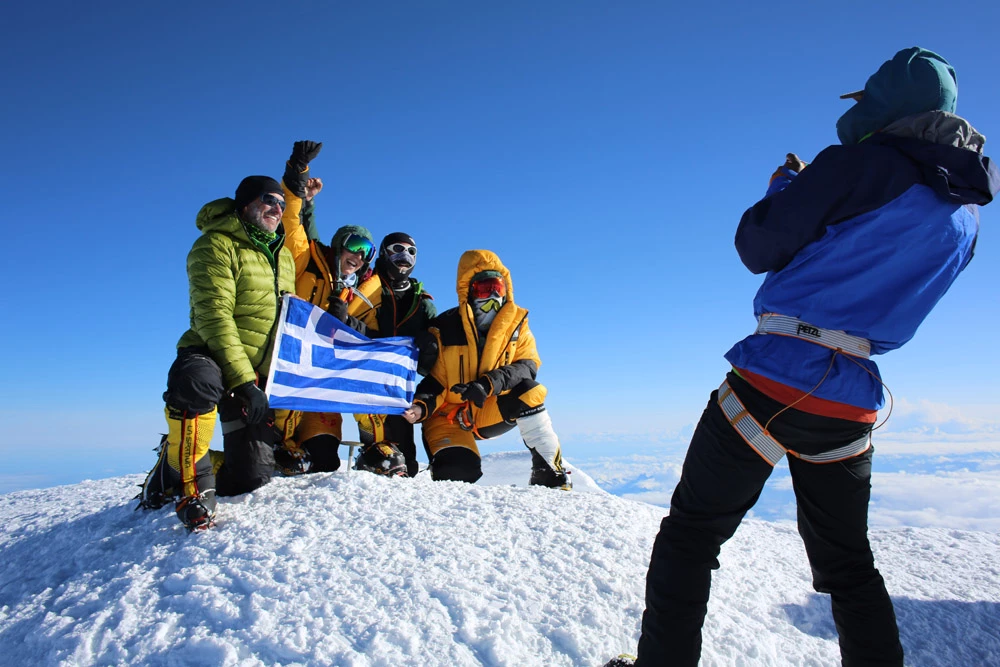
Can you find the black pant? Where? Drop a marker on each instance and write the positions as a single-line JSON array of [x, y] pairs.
[[721, 480], [462, 463]]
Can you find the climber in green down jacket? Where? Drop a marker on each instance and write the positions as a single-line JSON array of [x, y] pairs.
[[237, 270]]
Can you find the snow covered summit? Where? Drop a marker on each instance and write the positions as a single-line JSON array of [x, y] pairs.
[[358, 570]]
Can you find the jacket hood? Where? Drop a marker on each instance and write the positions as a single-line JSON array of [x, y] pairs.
[[337, 245], [939, 127], [949, 152], [477, 261], [915, 80], [219, 216]]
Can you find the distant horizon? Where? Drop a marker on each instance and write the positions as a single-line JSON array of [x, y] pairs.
[[941, 481]]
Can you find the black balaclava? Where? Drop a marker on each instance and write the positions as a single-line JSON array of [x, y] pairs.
[[395, 269]]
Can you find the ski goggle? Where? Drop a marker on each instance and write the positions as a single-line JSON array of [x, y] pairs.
[[359, 245], [397, 248], [487, 287], [271, 200]]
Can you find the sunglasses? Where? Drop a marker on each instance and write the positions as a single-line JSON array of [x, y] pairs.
[[397, 248], [271, 200], [359, 245], [484, 289]]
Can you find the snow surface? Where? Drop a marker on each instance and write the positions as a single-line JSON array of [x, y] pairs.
[[354, 569]]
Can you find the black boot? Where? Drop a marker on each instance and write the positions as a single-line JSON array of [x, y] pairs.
[[621, 661], [156, 490], [381, 458], [197, 512], [291, 462], [543, 475]]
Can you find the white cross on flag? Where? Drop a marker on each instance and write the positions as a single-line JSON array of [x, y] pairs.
[[320, 364]]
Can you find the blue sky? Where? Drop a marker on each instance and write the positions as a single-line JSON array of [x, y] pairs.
[[605, 150]]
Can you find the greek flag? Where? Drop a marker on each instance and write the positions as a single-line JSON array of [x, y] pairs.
[[320, 364]]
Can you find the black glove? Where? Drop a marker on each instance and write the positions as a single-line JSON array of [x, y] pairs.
[[338, 308], [303, 152], [475, 392], [254, 402]]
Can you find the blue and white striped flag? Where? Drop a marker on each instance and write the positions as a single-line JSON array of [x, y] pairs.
[[322, 365]]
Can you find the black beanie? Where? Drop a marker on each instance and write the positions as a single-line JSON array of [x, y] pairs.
[[252, 187]]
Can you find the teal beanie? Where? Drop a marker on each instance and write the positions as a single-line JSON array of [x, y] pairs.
[[915, 80]]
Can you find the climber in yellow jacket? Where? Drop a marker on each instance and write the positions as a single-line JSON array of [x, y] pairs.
[[329, 276], [483, 382]]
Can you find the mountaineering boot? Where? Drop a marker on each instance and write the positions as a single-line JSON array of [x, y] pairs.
[[155, 491], [546, 455], [197, 512], [291, 461], [381, 458], [390, 428], [181, 462], [186, 465], [624, 660], [289, 458], [543, 475]]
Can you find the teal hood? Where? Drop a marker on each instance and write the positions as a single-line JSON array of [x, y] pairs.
[[914, 81]]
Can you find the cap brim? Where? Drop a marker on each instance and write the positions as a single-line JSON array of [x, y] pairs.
[[856, 95]]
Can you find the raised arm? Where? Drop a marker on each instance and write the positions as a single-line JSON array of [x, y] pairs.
[[298, 186]]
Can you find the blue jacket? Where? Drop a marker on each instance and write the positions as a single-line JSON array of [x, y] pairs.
[[866, 240]]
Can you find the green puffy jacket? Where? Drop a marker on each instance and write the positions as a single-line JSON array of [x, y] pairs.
[[235, 289]]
